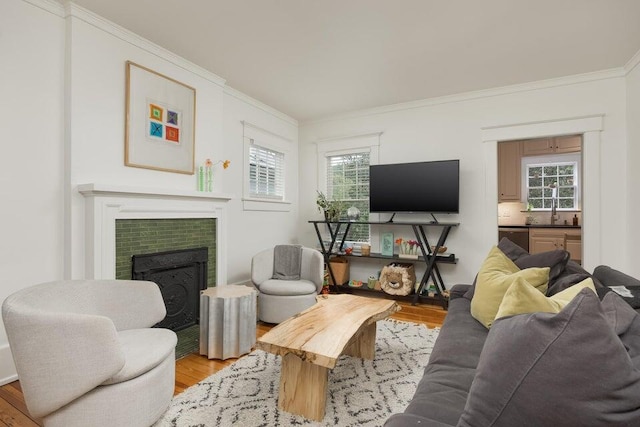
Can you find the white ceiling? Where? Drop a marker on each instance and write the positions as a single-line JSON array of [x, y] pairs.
[[315, 58]]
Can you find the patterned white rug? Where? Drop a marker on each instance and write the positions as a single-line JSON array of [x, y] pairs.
[[361, 392]]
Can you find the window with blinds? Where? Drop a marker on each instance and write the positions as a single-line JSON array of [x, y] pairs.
[[266, 173], [348, 181]]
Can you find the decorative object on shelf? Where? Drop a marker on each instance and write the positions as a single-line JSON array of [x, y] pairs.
[[348, 250], [340, 268], [365, 249], [398, 279], [325, 283], [160, 121], [205, 174], [330, 208], [386, 244], [371, 282], [530, 218], [353, 213], [441, 249], [355, 283], [407, 248]]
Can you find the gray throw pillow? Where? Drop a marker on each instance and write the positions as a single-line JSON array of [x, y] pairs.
[[566, 281], [567, 369]]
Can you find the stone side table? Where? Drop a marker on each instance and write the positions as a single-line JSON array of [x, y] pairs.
[[227, 321]]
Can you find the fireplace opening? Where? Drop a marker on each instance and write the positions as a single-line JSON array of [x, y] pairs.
[[180, 275]]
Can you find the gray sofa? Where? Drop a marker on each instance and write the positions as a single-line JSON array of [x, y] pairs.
[[536, 369]]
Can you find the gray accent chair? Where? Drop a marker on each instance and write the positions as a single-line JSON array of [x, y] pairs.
[[280, 299], [86, 354]]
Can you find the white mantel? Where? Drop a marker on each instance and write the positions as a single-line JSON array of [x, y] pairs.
[[105, 204]]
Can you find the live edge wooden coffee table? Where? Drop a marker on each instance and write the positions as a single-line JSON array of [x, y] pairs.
[[311, 342]]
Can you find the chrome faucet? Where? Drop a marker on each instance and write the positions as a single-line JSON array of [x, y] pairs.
[[554, 202]]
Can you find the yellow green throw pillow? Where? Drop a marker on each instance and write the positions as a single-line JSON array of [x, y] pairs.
[[497, 273], [523, 298]]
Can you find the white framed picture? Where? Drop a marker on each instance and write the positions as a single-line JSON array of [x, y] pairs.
[[160, 121], [386, 244]]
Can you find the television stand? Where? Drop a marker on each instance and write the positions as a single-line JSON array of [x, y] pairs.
[[428, 255]]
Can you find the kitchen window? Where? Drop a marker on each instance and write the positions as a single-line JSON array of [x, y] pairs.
[[541, 178]]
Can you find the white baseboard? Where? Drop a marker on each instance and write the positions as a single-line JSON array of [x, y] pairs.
[[7, 368]]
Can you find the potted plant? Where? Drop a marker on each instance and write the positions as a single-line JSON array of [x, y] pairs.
[[330, 208]]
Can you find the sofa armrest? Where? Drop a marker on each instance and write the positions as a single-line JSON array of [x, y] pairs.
[[411, 420], [610, 277], [60, 356], [130, 304], [313, 267], [458, 291], [262, 267]]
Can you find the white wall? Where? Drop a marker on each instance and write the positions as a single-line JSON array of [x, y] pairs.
[[450, 128], [253, 230], [633, 164], [31, 168], [63, 71], [98, 54]]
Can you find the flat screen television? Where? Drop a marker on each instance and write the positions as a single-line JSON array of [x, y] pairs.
[[431, 187]]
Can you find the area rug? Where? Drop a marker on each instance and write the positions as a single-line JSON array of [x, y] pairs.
[[361, 392]]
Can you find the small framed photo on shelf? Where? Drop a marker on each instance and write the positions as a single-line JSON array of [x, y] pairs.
[[386, 244]]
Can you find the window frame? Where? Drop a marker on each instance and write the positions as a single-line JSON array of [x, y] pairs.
[[277, 170], [343, 146], [254, 135], [553, 160]]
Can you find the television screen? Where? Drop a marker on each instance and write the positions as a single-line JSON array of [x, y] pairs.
[[415, 187]]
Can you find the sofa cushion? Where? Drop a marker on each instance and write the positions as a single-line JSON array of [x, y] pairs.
[[442, 392], [288, 287], [556, 261], [494, 278], [144, 349], [523, 298], [570, 368]]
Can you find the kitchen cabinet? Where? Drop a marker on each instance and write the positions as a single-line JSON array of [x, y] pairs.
[[568, 144], [509, 154], [556, 145], [549, 239]]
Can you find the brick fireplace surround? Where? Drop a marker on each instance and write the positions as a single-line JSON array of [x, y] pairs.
[[104, 204]]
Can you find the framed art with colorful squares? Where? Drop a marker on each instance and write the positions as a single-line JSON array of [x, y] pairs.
[[160, 122]]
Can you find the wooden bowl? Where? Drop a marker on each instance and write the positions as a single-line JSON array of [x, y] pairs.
[[441, 250]]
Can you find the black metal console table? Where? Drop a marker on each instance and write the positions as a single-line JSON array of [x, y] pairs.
[[429, 255]]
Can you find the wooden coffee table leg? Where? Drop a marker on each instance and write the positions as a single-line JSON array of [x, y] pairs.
[[303, 387], [364, 343]]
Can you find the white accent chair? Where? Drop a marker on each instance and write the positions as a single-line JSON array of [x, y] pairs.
[[280, 299], [86, 354]]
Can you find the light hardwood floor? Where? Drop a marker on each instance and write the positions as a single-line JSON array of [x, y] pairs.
[[194, 368]]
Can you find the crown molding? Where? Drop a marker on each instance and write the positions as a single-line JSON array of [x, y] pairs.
[[260, 105], [350, 136], [632, 63], [51, 6], [468, 96], [73, 10]]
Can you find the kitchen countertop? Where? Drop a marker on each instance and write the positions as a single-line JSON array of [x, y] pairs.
[[540, 226]]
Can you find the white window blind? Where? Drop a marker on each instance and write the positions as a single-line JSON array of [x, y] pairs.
[[266, 173], [348, 181]]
